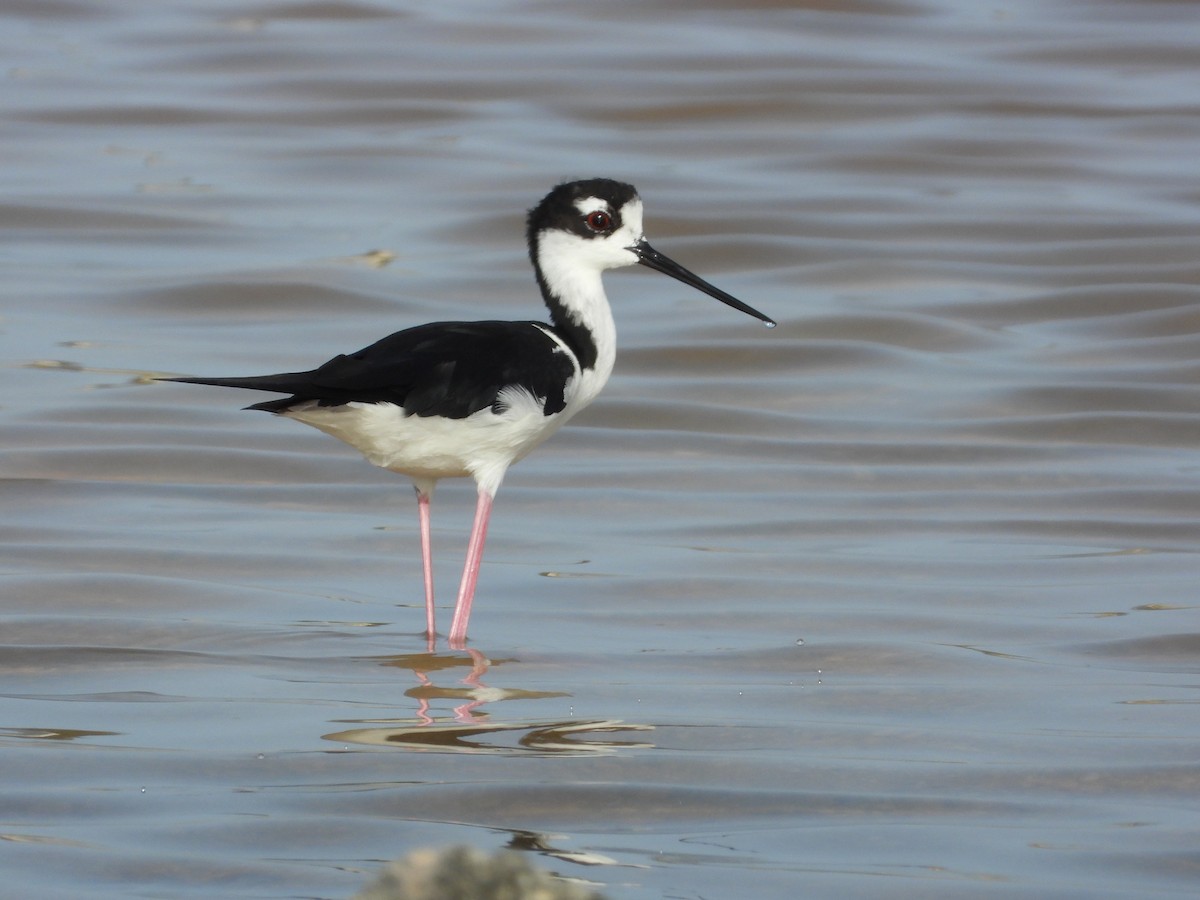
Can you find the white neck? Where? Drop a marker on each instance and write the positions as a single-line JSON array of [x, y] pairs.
[[578, 304]]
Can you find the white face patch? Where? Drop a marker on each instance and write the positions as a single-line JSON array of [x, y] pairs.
[[631, 219], [591, 204]]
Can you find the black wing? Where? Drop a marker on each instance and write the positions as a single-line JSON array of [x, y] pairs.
[[449, 369]]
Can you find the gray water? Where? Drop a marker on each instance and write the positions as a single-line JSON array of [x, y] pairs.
[[896, 600]]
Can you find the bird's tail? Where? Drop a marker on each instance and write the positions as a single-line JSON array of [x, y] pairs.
[[277, 384], [289, 383]]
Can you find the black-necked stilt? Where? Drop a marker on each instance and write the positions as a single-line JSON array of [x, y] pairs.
[[456, 399]]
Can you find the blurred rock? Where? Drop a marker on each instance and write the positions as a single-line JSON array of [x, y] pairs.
[[464, 873]]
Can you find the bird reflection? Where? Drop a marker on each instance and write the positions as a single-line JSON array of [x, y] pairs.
[[467, 727], [546, 845], [469, 689]]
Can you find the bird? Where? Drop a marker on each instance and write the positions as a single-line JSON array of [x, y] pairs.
[[469, 399]]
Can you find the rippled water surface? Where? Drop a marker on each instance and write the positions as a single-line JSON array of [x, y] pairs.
[[896, 600]]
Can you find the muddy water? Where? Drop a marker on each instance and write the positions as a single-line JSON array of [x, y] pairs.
[[897, 600]]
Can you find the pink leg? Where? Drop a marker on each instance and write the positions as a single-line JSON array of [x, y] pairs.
[[426, 561], [466, 589]]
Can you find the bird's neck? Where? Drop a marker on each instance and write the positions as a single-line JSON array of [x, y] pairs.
[[580, 312]]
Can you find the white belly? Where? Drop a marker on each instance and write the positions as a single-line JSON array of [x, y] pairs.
[[426, 448]]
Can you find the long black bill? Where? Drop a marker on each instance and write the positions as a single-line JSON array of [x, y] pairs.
[[651, 258]]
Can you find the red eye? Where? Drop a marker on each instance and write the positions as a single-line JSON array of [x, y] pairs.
[[599, 220]]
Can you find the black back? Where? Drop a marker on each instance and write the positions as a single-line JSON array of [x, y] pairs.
[[449, 369]]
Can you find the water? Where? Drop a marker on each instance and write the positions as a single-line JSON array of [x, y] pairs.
[[896, 600]]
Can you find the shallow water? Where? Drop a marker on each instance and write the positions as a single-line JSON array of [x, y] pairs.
[[896, 600]]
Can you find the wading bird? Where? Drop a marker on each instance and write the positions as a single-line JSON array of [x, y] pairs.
[[458, 399]]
